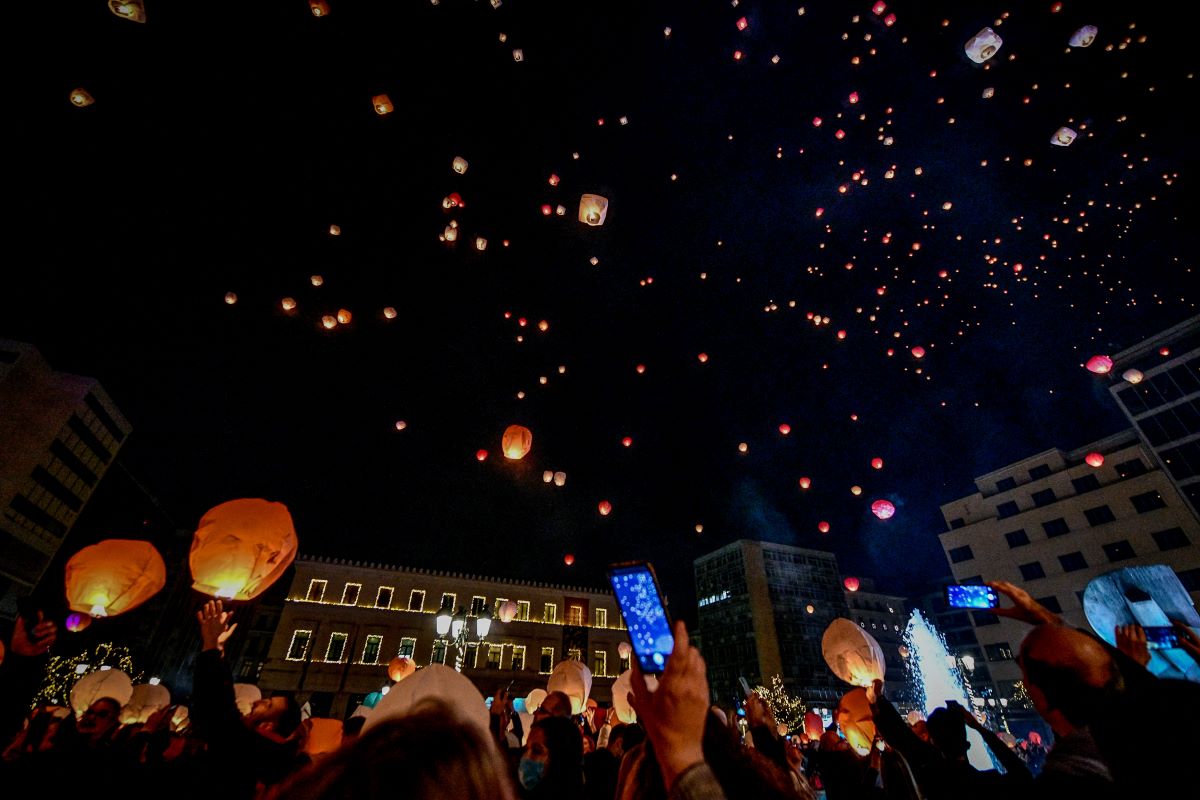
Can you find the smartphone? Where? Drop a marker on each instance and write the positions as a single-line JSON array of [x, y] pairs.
[[971, 595], [1161, 637], [745, 686], [645, 614]]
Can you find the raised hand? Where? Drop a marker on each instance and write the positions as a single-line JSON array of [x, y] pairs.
[[36, 642], [215, 629], [1024, 607], [1131, 640]]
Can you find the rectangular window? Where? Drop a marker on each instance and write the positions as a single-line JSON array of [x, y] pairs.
[[336, 648], [478, 605], [1044, 497], [1000, 651], [518, 658], [350, 594], [1051, 603], [1171, 539], [1190, 578], [1119, 551], [371, 649], [1017, 538], [601, 617], [495, 655], [496, 606], [1005, 484], [547, 663], [1055, 527], [960, 554], [448, 601], [575, 654], [1127, 469], [623, 661], [1147, 501], [1086, 483], [416, 600], [1099, 515], [56, 487], [1039, 472], [408, 646], [574, 615], [471, 657], [298, 648], [1007, 509], [26, 508], [101, 413], [550, 612], [1072, 562], [73, 462], [383, 598], [599, 662], [1032, 571], [438, 654], [523, 610], [957, 522], [316, 590], [80, 429]]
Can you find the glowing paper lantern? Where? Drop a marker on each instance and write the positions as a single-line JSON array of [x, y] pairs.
[[627, 441], [144, 701], [813, 725], [856, 721], [560, 479], [132, 10], [852, 653], [547, 476], [742, 24], [605, 508], [516, 441], [389, 312], [621, 688], [624, 649], [114, 576], [324, 736], [481, 455], [1063, 136], [823, 526], [983, 45], [573, 679], [246, 695], [465, 702], [1133, 376], [81, 98], [569, 559], [856, 490], [805, 482], [785, 429], [459, 165], [533, 700], [230, 298], [288, 304], [903, 650], [241, 547], [918, 352], [77, 622], [383, 104], [179, 720], [883, 509], [877, 463], [319, 8], [507, 611], [1094, 459], [851, 584], [1084, 36], [593, 209], [1101, 365], [344, 316], [100, 683], [400, 668]]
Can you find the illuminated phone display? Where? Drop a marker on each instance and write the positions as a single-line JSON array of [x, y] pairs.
[[645, 616], [971, 596]]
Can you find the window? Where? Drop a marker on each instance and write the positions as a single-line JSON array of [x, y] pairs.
[[1119, 551], [1007, 509], [1073, 561], [1099, 515], [1055, 527], [1032, 571], [1004, 484], [1017, 538], [957, 522], [1039, 472], [1182, 461], [1085, 484], [1171, 539], [496, 606], [316, 590], [408, 646], [1190, 578], [350, 594], [574, 654], [547, 664], [960, 554], [575, 615], [983, 618], [550, 612], [1000, 651], [416, 600], [1051, 603], [518, 657], [601, 617], [371, 649], [523, 610], [1147, 501], [438, 655], [471, 657], [1127, 469], [1044, 497], [383, 598], [336, 648], [298, 648], [599, 662], [478, 605], [495, 654], [448, 601]]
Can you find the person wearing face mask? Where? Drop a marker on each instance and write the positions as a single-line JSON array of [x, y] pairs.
[[552, 765]]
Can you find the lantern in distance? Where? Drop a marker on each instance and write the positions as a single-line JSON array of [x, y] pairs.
[[883, 509], [547, 476], [918, 352], [481, 455], [851, 584], [459, 165], [230, 298], [813, 725], [805, 482], [383, 104], [344, 316], [288, 304], [627, 441], [742, 24], [569, 559], [1094, 459], [983, 45], [319, 8], [856, 490], [593, 209], [1133, 376], [560, 478], [389, 312], [81, 98], [785, 429], [400, 668], [823, 526], [516, 441], [624, 649], [507, 611], [1063, 136], [1101, 365], [114, 576], [77, 622], [132, 10], [1084, 36], [241, 547], [605, 508], [877, 463], [621, 688]]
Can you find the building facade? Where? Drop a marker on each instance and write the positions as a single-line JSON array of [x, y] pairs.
[[762, 611], [343, 621], [1157, 384], [1052, 522], [885, 617], [58, 435]]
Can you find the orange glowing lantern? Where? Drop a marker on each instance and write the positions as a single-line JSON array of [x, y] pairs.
[[317, 280], [81, 98], [383, 104], [344, 316], [813, 725], [560, 478], [547, 476], [1094, 459], [593, 209], [288, 304], [230, 298], [241, 547], [114, 576], [805, 482], [459, 165], [132, 10], [569, 559], [400, 668], [851, 584], [328, 322], [823, 526], [702, 358], [918, 352], [389, 312], [856, 490], [785, 429], [319, 8], [743, 447], [1101, 365], [877, 463], [627, 441], [605, 508], [516, 441], [883, 509], [857, 722], [481, 455]]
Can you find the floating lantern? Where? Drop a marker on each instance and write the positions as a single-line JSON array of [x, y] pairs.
[[507, 611], [857, 722], [989, 93], [516, 441], [624, 649], [335, 230], [560, 478], [605, 508], [983, 45], [459, 165], [851, 584], [852, 653], [560, 210], [823, 526], [621, 688], [593, 209], [883, 509], [132, 10], [1063, 136], [518, 55], [573, 679], [401, 424], [77, 622], [1094, 459], [785, 429], [805, 482], [547, 476], [743, 447], [1084, 36], [450, 234], [1133, 376], [569, 559], [230, 298], [856, 490], [316, 280], [319, 8], [114, 576], [480, 243], [288, 304], [389, 312], [702, 358], [814, 726], [81, 98], [100, 683], [627, 441], [1101, 365], [328, 322], [481, 455], [344, 316], [400, 668], [876, 463], [742, 24], [383, 104], [1164, 351], [241, 547], [918, 352]]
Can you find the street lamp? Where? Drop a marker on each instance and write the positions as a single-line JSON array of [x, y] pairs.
[[456, 626]]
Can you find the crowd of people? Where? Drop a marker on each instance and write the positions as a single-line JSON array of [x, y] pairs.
[[1117, 730]]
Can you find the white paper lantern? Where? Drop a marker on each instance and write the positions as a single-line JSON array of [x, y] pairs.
[[144, 701], [852, 653], [1084, 36], [573, 679], [507, 611], [435, 681], [621, 688], [1063, 136], [624, 649], [983, 45], [533, 701], [101, 683], [246, 695]]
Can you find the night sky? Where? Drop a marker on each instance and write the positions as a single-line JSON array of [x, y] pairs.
[[226, 139]]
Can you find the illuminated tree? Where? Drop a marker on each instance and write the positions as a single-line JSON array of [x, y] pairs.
[[62, 671], [788, 709]]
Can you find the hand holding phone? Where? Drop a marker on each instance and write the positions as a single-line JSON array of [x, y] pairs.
[[1162, 637], [971, 595], [645, 614]]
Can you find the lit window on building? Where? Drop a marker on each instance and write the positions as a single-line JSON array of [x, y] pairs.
[[574, 615], [371, 649], [438, 656], [350, 594], [523, 610], [601, 617], [495, 655], [336, 648], [518, 657], [600, 662], [448, 601], [383, 598], [408, 646], [478, 605], [298, 648], [547, 663], [416, 600], [316, 590], [550, 612]]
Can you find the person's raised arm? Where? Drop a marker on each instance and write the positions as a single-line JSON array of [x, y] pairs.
[[214, 705], [1131, 640], [1024, 607], [1012, 763]]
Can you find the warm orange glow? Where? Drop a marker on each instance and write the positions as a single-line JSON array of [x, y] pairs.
[[383, 104], [593, 209], [400, 668], [516, 442], [605, 508], [114, 576], [241, 547], [319, 8]]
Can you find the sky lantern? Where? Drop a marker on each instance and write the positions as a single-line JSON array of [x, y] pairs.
[[841, 334], [547, 475], [876, 463], [805, 482], [230, 298], [593, 209], [574, 679], [702, 358], [459, 165], [605, 508], [742, 24], [401, 424], [507, 611], [852, 654], [1094, 459], [856, 490], [785, 429], [389, 312], [481, 455], [344, 316], [77, 622], [288, 304], [317, 280], [1084, 36], [918, 352], [1133, 376], [114, 576], [851, 583], [319, 8], [1101, 365], [241, 547], [641, 369], [400, 668], [81, 98], [743, 447], [853, 98], [627, 441], [516, 441], [569, 559], [883, 509], [816, 121], [1063, 136], [877, 10], [132, 10], [1164, 351], [823, 526], [383, 104], [560, 478], [518, 55], [983, 45], [890, 20], [699, 528]]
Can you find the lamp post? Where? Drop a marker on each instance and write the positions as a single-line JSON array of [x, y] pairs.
[[455, 626]]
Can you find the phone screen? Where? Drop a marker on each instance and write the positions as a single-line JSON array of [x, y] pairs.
[[971, 595], [645, 617], [745, 686], [1161, 638]]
